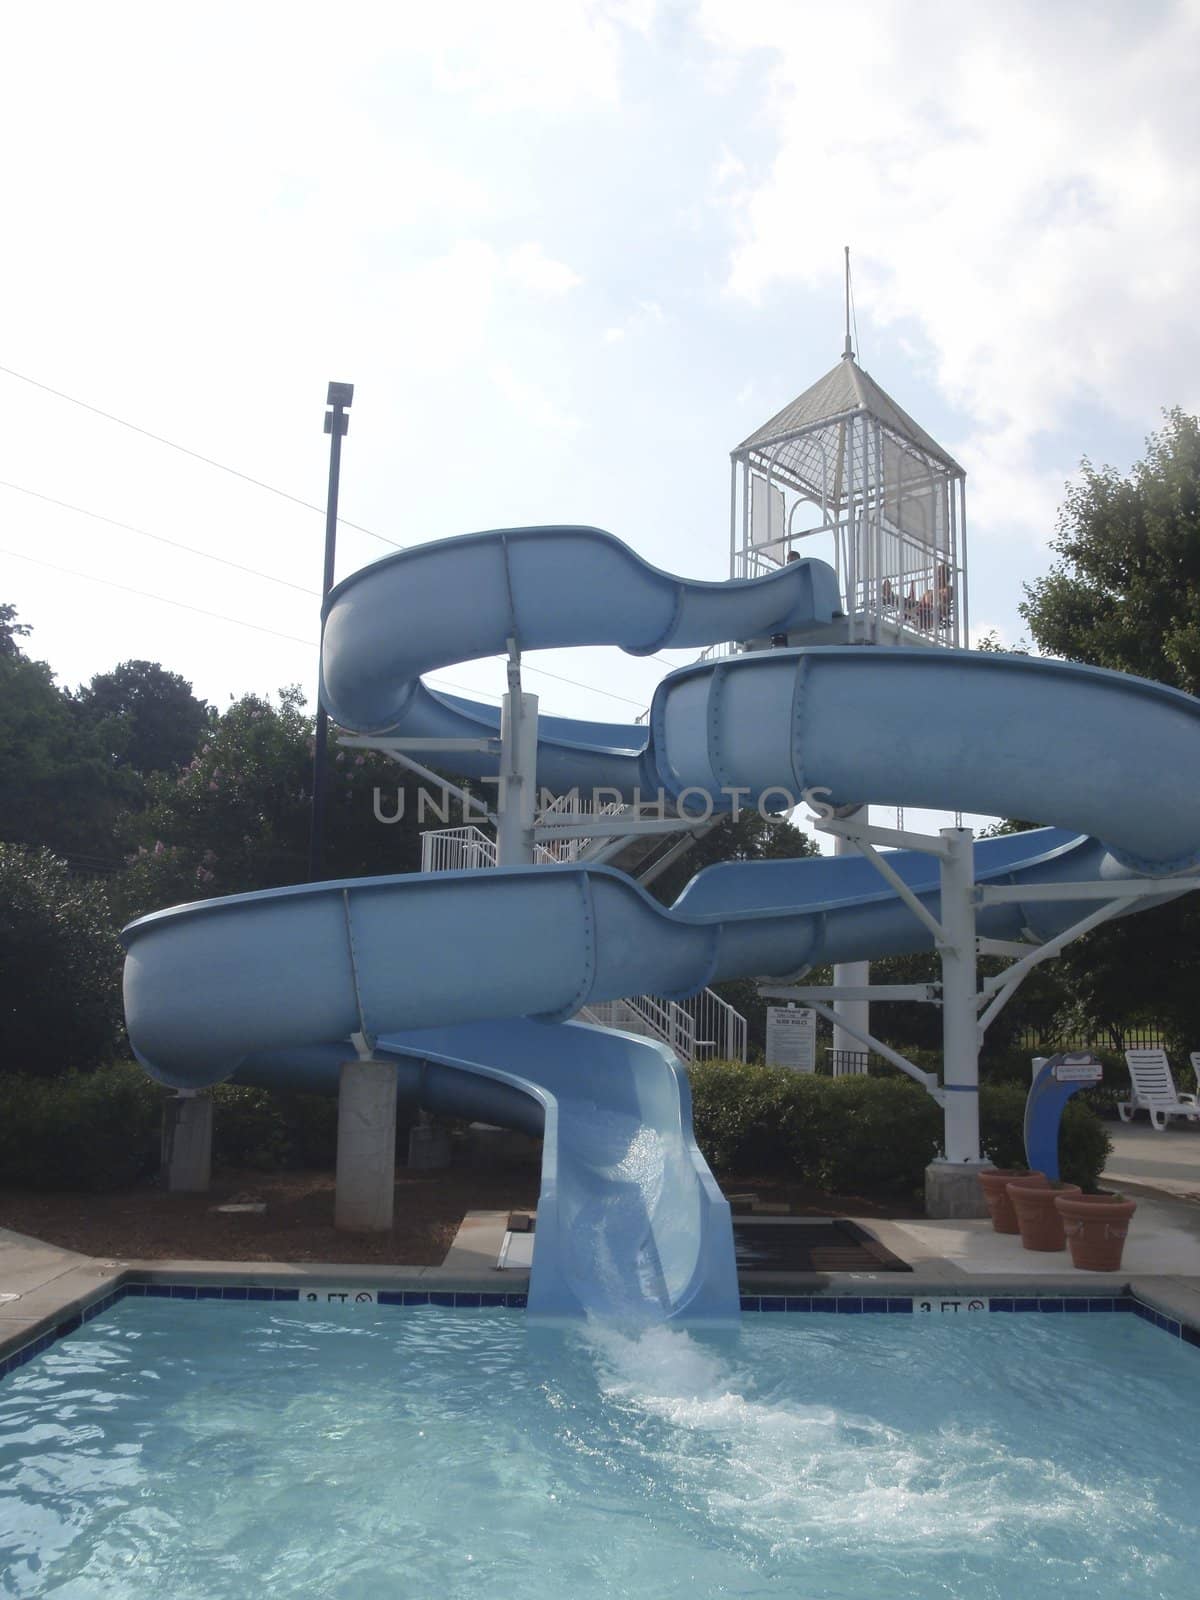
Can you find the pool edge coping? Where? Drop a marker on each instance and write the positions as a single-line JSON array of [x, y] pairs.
[[1171, 1304]]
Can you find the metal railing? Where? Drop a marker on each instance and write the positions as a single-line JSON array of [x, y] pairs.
[[648, 1015], [701, 1027], [848, 1063], [465, 849], [1140, 1036], [470, 849], [571, 807]]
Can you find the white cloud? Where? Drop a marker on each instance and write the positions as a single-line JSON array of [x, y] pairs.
[[533, 269], [1019, 185], [529, 403], [645, 314]]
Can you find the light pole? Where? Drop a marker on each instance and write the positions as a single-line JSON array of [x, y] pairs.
[[337, 425]]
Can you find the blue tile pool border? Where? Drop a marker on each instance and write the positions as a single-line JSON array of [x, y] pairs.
[[474, 1299]]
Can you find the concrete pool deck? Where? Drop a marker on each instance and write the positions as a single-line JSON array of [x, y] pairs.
[[41, 1285]]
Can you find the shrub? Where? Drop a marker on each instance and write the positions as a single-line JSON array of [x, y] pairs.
[[84, 1130], [828, 1133], [270, 1130], [60, 967], [846, 1134], [1083, 1144]]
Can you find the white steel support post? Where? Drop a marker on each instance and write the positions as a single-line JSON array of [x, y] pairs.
[[516, 802], [951, 1189], [850, 975]]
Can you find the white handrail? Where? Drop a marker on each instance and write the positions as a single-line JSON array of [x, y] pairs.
[[704, 1027]]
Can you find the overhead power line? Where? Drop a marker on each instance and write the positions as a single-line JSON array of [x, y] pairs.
[[219, 616], [196, 455], [159, 538], [575, 684], [237, 566], [162, 599]]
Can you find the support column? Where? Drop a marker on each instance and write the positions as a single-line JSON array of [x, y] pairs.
[[951, 1189], [187, 1142], [516, 802], [850, 975], [366, 1146]]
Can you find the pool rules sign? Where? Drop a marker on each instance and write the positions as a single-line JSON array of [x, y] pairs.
[[792, 1038]]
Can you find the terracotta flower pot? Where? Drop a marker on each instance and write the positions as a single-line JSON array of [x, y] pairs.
[[1096, 1226], [1039, 1221], [994, 1184]]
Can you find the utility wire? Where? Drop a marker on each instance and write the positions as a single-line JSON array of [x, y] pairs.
[[525, 667], [220, 616], [209, 461], [145, 594], [159, 538], [255, 572], [195, 454]]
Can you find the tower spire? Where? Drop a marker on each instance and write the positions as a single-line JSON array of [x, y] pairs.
[[848, 348]]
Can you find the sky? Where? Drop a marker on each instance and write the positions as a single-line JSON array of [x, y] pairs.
[[569, 253]]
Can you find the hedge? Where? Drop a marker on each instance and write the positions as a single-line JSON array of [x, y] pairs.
[[843, 1135], [102, 1130], [84, 1130], [60, 967]]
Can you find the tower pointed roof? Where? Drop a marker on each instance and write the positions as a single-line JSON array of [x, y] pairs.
[[844, 391]]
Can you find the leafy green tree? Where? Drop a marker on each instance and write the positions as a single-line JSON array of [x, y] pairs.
[[143, 716], [11, 630], [60, 964], [56, 787], [1125, 594], [1125, 591], [751, 838], [236, 818]]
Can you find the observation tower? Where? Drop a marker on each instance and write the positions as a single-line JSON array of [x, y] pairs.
[[844, 474]]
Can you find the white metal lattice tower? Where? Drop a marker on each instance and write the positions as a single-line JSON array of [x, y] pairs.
[[845, 474]]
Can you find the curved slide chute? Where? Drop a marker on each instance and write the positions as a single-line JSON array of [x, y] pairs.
[[463, 976]]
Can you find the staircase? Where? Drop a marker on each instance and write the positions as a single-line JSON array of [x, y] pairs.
[[704, 1027]]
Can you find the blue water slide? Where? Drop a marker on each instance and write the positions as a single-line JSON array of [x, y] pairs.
[[469, 979]]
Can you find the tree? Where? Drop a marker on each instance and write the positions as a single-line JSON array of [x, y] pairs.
[[752, 837], [11, 630], [60, 966], [1125, 594], [1125, 591], [144, 717], [56, 788], [236, 818]]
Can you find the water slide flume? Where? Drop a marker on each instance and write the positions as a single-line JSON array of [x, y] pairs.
[[443, 969]]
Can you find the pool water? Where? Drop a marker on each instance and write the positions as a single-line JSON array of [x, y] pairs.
[[210, 1449]]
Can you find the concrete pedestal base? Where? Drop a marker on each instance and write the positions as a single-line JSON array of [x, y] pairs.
[[952, 1189], [366, 1149], [428, 1147], [187, 1143]]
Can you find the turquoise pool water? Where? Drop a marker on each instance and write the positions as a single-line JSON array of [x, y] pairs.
[[220, 1450]]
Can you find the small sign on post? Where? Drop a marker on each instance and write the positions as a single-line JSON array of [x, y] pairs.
[[792, 1038], [1055, 1080], [1080, 1068]]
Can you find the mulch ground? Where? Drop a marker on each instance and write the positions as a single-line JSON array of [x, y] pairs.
[[148, 1224]]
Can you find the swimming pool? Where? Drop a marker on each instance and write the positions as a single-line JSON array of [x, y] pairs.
[[214, 1449]]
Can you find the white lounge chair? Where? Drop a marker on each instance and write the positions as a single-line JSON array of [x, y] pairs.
[[1153, 1090]]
